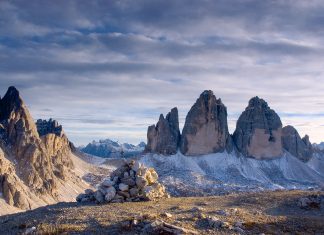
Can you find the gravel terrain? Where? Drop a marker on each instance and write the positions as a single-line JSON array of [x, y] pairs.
[[269, 212]]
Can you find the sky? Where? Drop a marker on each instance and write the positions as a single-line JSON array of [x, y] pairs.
[[107, 69]]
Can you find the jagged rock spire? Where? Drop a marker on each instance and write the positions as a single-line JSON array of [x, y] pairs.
[[206, 130], [10, 102], [164, 137], [258, 131], [299, 147]]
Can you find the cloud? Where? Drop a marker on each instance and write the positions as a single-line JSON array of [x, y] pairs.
[[109, 68]]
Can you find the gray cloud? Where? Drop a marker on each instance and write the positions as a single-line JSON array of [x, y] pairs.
[[109, 68]]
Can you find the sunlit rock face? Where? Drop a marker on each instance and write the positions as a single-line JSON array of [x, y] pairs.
[[299, 147], [206, 130], [258, 131], [32, 159], [20, 132], [164, 137]]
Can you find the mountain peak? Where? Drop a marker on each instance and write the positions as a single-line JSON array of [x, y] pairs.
[[258, 126], [10, 102], [257, 102], [205, 130]]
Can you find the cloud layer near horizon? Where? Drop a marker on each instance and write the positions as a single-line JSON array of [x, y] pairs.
[[107, 69]]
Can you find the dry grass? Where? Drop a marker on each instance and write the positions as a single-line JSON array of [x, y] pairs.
[[265, 212], [56, 229]]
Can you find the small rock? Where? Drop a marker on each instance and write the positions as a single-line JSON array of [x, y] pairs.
[[161, 227], [123, 187], [126, 224], [88, 191], [133, 192], [197, 209], [110, 194], [221, 212], [137, 165], [167, 215], [126, 174], [128, 181], [226, 225], [214, 222], [115, 179], [141, 182], [238, 230], [108, 183], [238, 224], [100, 197], [123, 194]]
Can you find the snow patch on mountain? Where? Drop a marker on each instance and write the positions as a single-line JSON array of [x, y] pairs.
[[317, 163], [222, 173]]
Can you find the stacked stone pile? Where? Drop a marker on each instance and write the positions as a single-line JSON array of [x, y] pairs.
[[131, 182]]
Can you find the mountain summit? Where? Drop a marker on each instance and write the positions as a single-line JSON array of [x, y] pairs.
[[206, 130], [35, 159], [258, 131]]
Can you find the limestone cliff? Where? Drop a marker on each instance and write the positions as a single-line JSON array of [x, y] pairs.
[[164, 137], [57, 146], [294, 144], [33, 159], [258, 131], [206, 130]]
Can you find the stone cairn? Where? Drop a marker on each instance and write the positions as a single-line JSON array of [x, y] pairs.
[[131, 182]]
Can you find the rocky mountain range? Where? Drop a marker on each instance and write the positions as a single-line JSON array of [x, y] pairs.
[[112, 149], [40, 166], [260, 154], [35, 158], [259, 133]]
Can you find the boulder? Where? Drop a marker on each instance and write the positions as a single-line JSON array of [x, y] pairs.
[[123, 187], [205, 130], [110, 194], [154, 191], [133, 192], [164, 137], [99, 196], [296, 146], [128, 181], [258, 131], [141, 182], [149, 174], [108, 183]]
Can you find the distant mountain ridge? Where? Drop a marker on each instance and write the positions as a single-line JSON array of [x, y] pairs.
[[108, 148], [319, 146]]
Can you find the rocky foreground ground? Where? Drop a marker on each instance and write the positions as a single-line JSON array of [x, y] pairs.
[[277, 212]]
